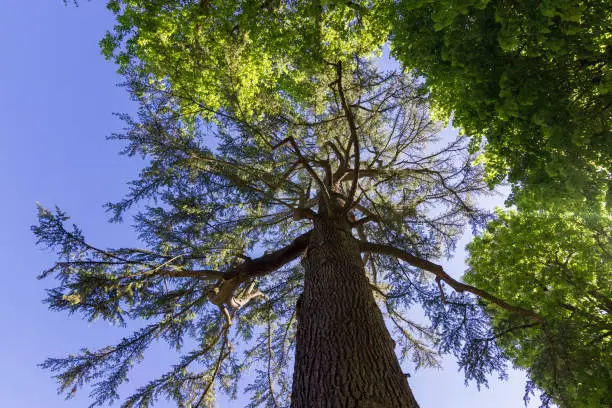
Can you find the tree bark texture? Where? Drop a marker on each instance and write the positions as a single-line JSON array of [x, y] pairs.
[[344, 353]]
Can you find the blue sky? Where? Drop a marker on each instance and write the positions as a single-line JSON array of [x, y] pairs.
[[57, 96]]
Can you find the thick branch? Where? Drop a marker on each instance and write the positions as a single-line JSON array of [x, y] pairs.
[[269, 262], [252, 268], [354, 137], [440, 274], [203, 274]]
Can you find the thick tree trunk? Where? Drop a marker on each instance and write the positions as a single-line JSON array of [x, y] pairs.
[[344, 354]]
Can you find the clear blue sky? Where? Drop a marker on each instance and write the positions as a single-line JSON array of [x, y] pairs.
[[57, 95]]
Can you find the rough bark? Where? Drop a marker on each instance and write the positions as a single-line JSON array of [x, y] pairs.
[[344, 353]]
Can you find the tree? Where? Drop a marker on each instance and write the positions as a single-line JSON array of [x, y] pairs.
[[317, 155], [295, 180], [530, 77], [558, 263], [295, 185]]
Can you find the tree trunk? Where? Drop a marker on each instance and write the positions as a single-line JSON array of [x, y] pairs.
[[344, 354]]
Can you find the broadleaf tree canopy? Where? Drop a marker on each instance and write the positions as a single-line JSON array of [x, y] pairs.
[[559, 264], [530, 77]]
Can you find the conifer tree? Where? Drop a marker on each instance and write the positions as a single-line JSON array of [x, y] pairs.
[[294, 202], [351, 183]]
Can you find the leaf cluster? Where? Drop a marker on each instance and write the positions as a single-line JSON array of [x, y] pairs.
[[532, 78], [559, 264]]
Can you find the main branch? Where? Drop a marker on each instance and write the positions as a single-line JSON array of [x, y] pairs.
[[252, 268], [354, 141], [440, 274]]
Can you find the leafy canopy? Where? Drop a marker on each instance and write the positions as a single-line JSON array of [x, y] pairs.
[[559, 264], [214, 50], [530, 77]]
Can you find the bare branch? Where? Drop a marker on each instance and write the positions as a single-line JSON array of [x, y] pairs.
[[310, 170]]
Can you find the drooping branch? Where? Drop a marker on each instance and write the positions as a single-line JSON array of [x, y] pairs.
[[202, 274], [249, 268], [221, 293], [441, 274]]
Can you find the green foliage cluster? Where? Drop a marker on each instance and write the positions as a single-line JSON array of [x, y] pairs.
[[245, 54], [530, 81], [529, 77], [532, 77], [559, 264]]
